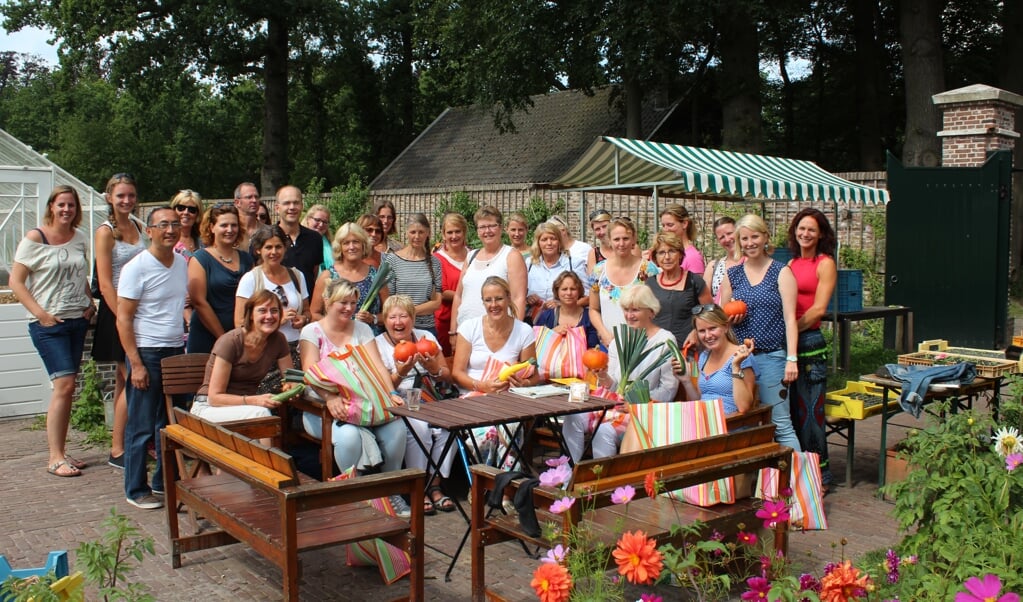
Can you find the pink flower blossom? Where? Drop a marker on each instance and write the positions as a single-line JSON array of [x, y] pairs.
[[562, 505], [553, 462], [986, 590], [758, 589], [650, 598], [556, 476], [1012, 461], [773, 512], [623, 495], [749, 539], [556, 555]]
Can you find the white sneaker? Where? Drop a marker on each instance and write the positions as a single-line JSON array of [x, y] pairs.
[[401, 509], [147, 502]]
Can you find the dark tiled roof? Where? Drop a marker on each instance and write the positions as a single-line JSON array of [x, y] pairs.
[[462, 147]]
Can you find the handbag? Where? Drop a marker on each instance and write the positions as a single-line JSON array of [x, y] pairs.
[[433, 389], [807, 508], [560, 355], [657, 424], [355, 376], [393, 562]]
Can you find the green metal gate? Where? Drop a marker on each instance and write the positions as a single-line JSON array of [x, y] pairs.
[[948, 249]]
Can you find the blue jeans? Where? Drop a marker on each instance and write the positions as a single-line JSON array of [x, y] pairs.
[[807, 400], [147, 415], [770, 370], [60, 346]]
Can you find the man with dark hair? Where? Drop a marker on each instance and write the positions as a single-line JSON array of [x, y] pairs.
[[305, 245], [150, 303]]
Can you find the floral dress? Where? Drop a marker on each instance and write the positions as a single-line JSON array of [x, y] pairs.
[[609, 292]]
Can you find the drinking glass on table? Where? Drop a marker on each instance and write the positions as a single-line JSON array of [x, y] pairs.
[[412, 399]]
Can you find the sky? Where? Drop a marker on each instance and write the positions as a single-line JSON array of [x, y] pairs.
[[31, 41]]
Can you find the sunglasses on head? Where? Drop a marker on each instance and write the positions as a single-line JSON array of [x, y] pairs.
[[600, 213], [699, 309], [123, 176]]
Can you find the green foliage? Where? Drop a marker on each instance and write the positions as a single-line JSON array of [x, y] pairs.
[[109, 562], [960, 507], [346, 203], [31, 589], [461, 203], [536, 212], [707, 567], [88, 413]]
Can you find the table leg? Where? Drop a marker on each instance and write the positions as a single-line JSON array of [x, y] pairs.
[[850, 452], [884, 438], [846, 344]]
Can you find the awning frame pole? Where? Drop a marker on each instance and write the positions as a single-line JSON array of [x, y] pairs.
[[617, 168]]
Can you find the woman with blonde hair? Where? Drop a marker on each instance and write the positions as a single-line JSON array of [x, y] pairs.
[[615, 275], [451, 254], [117, 240], [351, 247], [675, 219], [724, 233], [518, 228], [769, 290], [49, 276], [189, 207], [547, 261], [727, 370]]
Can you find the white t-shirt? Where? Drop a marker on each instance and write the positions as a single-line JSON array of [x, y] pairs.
[[387, 354], [58, 275], [521, 337], [160, 292], [474, 274], [580, 252], [247, 288]]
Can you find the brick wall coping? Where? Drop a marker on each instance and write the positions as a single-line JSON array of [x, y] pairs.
[[975, 93], [980, 132]]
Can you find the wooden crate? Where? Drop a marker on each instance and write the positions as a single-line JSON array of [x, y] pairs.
[[858, 400], [986, 367]]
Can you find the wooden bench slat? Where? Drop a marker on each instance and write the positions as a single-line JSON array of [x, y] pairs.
[[229, 459]]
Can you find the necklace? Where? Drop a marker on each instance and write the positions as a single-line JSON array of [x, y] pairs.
[[660, 278], [225, 259]]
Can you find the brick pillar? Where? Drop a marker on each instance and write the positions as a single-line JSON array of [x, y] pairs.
[[976, 120]]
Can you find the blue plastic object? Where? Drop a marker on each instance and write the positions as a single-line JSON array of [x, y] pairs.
[[56, 563]]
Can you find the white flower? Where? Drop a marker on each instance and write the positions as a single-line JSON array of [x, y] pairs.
[[1007, 441]]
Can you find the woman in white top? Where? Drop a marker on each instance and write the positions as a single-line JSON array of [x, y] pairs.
[[399, 318], [615, 275], [118, 239], [640, 306], [269, 273], [494, 259], [578, 250], [724, 233], [49, 276], [497, 334], [335, 331]]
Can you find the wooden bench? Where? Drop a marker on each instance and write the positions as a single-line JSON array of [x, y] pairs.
[[680, 465], [261, 499]]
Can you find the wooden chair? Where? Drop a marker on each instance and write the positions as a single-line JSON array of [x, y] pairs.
[[183, 375], [303, 403]]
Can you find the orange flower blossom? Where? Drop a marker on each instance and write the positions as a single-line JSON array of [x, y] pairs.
[[551, 582], [638, 559], [845, 584]]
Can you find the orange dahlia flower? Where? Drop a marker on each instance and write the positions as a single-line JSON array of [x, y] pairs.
[[844, 584], [551, 582], [638, 559]]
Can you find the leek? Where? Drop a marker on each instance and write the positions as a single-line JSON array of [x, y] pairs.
[[379, 281], [631, 346]]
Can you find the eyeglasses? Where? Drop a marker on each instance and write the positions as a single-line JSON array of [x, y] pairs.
[[283, 296], [487, 227], [188, 208], [666, 252], [166, 225], [319, 221], [489, 300], [699, 309]]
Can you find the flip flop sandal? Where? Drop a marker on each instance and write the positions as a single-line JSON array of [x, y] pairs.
[[73, 462], [443, 503], [69, 470]]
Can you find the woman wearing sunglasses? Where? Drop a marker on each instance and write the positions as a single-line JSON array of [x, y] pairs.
[[769, 290], [374, 230], [188, 205], [726, 365]]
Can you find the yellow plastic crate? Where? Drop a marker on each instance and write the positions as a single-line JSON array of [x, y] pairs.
[[858, 400]]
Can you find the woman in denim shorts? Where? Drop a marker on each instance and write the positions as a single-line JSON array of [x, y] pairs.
[[50, 277]]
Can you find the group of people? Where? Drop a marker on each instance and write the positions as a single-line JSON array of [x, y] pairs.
[[262, 297]]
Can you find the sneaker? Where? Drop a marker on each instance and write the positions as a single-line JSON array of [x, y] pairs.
[[156, 491], [401, 509], [116, 461], [146, 502]]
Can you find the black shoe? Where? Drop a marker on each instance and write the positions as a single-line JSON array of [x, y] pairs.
[[116, 462]]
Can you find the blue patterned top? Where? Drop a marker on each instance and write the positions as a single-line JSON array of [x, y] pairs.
[[765, 321]]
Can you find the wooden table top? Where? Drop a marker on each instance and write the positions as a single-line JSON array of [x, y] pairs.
[[498, 408]]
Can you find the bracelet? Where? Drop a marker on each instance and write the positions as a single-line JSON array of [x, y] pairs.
[[439, 372], [374, 319]]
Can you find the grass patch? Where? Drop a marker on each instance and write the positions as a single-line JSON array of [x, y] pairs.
[[866, 350]]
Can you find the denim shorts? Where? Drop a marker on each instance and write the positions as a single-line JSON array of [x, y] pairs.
[[60, 345]]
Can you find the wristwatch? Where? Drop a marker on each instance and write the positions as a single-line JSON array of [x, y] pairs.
[[791, 358]]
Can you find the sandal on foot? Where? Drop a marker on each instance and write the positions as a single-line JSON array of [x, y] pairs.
[[73, 462], [429, 509], [442, 503], [63, 469]]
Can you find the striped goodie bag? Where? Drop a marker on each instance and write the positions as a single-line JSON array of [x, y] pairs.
[[355, 376], [806, 511], [560, 355], [657, 424]]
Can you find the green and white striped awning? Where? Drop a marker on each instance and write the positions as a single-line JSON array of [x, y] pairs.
[[624, 164]]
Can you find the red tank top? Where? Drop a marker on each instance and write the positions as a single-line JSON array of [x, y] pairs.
[[805, 271]]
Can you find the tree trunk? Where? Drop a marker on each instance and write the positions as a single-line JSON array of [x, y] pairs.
[[633, 109], [275, 108], [868, 102], [923, 67], [739, 79], [1011, 79]]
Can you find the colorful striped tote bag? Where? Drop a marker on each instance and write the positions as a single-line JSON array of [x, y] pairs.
[[658, 424], [560, 355], [355, 376], [806, 511], [393, 562]]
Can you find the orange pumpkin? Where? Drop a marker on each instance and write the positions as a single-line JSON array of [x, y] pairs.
[[426, 347], [735, 307], [404, 351], [595, 359]]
